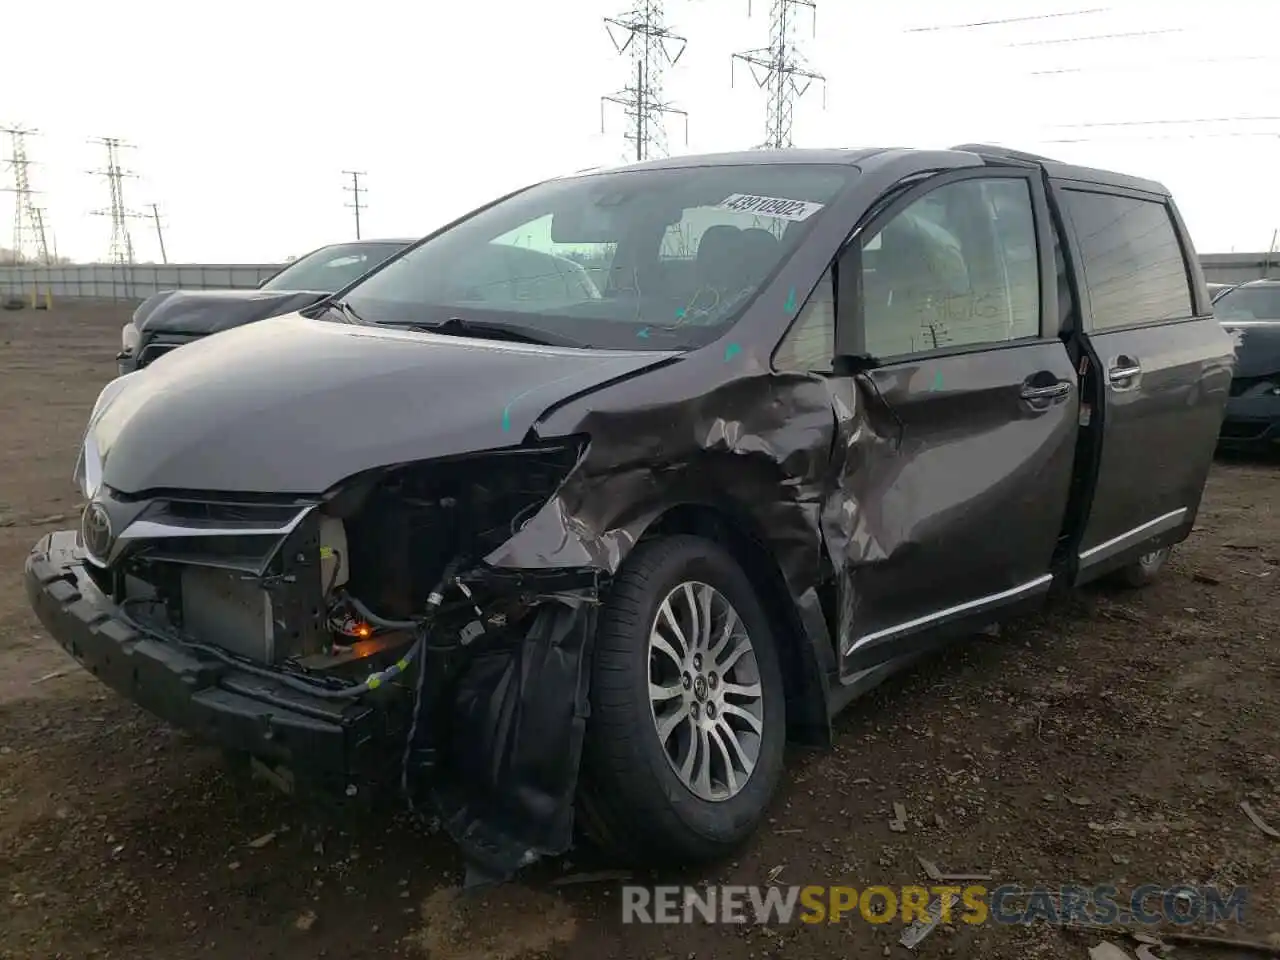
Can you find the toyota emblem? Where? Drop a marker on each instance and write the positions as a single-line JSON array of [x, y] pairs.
[[95, 530]]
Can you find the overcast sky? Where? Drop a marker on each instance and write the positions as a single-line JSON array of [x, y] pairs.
[[244, 115]]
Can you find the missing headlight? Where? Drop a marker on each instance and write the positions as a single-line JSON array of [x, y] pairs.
[[407, 523]]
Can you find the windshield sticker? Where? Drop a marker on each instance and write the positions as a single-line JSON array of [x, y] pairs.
[[790, 305], [777, 207]]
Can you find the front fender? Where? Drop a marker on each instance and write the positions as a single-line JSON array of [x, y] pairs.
[[758, 447]]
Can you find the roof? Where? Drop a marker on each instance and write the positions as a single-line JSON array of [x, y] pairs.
[[869, 158], [746, 157]]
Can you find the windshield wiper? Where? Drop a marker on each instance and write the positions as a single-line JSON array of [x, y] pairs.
[[340, 306], [492, 329]]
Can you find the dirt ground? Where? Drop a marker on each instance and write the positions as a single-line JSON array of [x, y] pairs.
[[1111, 739]]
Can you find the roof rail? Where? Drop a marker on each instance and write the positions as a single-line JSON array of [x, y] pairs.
[[1002, 153]]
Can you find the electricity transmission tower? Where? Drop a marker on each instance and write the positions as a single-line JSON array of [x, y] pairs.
[[781, 69], [121, 250], [642, 34], [355, 190], [28, 219]]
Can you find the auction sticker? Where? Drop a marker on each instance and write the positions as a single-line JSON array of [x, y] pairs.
[[777, 207]]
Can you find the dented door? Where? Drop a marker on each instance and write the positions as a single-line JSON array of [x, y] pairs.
[[958, 444]]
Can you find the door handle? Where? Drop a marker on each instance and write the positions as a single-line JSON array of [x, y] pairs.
[[1123, 370], [1053, 391]]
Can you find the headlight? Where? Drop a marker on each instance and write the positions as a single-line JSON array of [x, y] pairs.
[[129, 338], [88, 470]]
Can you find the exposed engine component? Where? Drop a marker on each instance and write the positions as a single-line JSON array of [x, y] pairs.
[[229, 611], [347, 584], [333, 554]]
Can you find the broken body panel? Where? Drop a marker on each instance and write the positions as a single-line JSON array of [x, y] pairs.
[[878, 508]]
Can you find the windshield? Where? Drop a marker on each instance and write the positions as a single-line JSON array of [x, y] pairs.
[[1249, 303], [331, 268], [633, 259]]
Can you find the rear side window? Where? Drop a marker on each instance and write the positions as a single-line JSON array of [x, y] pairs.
[[1133, 262]]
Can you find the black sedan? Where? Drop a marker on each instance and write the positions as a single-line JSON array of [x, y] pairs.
[[1250, 312], [170, 318]]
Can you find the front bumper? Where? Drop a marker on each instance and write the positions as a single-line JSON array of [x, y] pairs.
[[217, 702], [1251, 422]]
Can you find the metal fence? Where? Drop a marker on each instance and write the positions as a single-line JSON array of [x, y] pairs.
[[1239, 267], [106, 281]]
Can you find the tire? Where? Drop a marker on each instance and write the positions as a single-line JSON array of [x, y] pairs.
[[634, 801], [1142, 571]]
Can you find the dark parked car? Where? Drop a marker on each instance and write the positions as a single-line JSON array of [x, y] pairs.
[[1250, 312], [171, 318], [475, 530]]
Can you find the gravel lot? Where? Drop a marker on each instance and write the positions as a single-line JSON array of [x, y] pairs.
[[1016, 754]]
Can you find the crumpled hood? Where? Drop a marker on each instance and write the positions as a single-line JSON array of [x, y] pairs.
[[210, 311], [1257, 344], [292, 405]]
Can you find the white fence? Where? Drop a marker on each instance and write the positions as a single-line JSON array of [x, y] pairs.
[[106, 281]]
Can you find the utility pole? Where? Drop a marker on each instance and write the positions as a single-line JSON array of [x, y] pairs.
[[643, 35], [121, 250], [28, 223], [781, 70], [155, 213], [355, 191]]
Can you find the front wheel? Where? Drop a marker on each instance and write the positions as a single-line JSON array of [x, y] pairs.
[[684, 747]]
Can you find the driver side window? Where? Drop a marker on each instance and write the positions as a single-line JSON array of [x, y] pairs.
[[958, 267]]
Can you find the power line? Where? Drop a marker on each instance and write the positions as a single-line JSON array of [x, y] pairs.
[[1099, 36], [355, 190], [121, 249], [781, 69], [1169, 136], [1152, 123], [997, 23], [1130, 65], [28, 219], [642, 34]]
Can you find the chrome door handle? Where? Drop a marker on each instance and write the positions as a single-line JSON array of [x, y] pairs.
[[1051, 392], [1121, 374]]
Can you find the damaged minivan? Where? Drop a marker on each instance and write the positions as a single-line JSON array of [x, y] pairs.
[[549, 555]]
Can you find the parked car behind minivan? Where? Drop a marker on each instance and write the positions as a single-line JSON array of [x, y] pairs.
[[542, 557], [171, 318], [1250, 312]]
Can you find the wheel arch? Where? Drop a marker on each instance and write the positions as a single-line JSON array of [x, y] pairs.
[[803, 641]]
